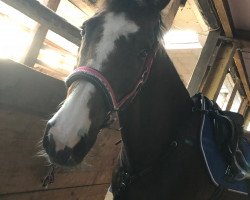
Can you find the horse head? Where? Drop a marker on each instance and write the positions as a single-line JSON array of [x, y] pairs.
[[116, 43]]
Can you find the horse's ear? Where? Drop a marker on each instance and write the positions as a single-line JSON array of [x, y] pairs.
[[154, 4]]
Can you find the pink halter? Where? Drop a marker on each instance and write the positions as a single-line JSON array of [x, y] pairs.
[[95, 77]]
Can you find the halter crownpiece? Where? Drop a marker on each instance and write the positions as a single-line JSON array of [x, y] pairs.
[[97, 79]]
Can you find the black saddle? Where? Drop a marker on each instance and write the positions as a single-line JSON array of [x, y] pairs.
[[228, 130]]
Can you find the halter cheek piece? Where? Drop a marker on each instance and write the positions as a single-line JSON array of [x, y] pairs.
[[98, 79]]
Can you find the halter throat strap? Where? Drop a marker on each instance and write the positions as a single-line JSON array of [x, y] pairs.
[[98, 79]]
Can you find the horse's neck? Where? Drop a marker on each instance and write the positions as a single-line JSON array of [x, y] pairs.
[[151, 120]]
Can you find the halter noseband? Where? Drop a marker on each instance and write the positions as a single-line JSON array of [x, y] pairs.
[[98, 79]]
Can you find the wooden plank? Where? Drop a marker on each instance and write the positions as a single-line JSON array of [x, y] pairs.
[[224, 16], [51, 44], [47, 18], [241, 42], [232, 96], [218, 71], [20, 133], [242, 72], [240, 65], [55, 73], [26, 89], [39, 37], [87, 6], [222, 9], [243, 106], [210, 65], [168, 13], [207, 55], [208, 13], [95, 192], [36, 45], [21, 170]]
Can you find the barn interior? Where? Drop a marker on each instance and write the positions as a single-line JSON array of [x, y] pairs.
[[207, 40]]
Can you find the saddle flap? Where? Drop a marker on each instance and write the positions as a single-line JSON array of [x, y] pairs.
[[223, 146], [215, 161]]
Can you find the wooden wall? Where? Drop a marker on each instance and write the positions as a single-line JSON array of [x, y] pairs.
[[27, 99]]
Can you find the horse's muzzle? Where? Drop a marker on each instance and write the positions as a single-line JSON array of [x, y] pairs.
[[67, 156]]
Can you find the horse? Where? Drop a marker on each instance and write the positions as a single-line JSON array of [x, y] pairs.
[[124, 68]]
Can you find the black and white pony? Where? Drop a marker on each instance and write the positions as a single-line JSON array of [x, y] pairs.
[[123, 67]]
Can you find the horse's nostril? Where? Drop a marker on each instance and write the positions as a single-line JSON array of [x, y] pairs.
[[63, 156], [47, 137]]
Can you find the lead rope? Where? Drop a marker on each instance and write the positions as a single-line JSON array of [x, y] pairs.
[[50, 177]]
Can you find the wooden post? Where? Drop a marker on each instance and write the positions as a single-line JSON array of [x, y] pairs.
[[232, 96], [208, 13], [36, 45], [242, 72], [47, 18], [226, 21], [218, 71], [206, 58], [224, 16], [243, 106], [39, 37]]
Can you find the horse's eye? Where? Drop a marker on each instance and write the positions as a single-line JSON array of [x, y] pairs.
[[144, 53]]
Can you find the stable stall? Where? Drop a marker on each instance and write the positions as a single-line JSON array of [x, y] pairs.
[[28, 98]]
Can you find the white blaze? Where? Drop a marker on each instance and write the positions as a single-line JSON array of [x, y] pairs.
[[115, 26], [73, 117]]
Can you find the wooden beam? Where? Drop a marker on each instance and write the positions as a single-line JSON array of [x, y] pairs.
[[239, 41], [208, 13], [242, 72], [47, 18], [232, 96], [24, 88], [87, 6], [207, 55], [60, 74], [22, 170], [168, 14], [36, 45], [223, 14], [243, 106], [90, 192], [218, 71], [39, 37], [55, 46], [222, 10]]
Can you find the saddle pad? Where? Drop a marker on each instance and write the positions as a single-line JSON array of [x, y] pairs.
[[214, 161]]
